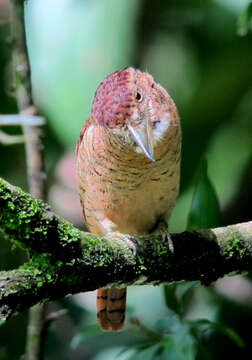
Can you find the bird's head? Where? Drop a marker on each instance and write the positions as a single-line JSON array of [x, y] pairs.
[[132, 105]]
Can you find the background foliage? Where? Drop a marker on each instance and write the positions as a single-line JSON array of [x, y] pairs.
[[194, 49]]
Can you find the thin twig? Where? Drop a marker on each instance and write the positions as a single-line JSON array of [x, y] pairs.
[[35, 330], [21, 120], [34, 156], [55, 315], [7, 139], [35, 161]]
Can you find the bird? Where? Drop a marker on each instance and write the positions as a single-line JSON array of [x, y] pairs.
[[127, 167]]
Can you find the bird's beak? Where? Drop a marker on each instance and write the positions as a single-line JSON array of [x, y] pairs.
[[144, 138]]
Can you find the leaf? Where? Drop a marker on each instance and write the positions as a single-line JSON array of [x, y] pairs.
[[171, 300], [168, 324], [176, 342], [205, 209], [89, 332], [126, 354], [184, 288], [227, 168], [152, 352], [244, 20], [233, 335], [175, 295], [180, 346], [200, 324], [113, 353]]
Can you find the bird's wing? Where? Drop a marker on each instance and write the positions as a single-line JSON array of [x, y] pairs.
[[83, 212], [85, 126]]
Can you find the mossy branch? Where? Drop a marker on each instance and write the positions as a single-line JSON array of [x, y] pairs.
[[65, 260]]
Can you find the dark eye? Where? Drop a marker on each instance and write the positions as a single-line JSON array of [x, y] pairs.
[[155, 123], [138, 96]]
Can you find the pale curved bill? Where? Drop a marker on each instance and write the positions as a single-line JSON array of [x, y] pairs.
[[144, 138]]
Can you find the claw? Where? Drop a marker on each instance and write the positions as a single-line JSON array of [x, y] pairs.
[[126, 239], [162, 229]]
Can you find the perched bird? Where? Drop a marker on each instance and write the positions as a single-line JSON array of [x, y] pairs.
[[128, 167]]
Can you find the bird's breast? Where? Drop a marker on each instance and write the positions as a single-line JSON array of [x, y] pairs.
[[122, 190]]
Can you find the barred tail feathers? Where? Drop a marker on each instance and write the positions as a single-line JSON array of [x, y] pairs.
[[111, 307]]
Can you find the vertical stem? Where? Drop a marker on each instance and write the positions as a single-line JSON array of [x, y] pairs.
[[35, 331], [34, 145], [35, 160], [34, 157]]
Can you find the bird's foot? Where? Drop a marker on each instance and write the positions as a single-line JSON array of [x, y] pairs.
[[162, 229], [124, 238]]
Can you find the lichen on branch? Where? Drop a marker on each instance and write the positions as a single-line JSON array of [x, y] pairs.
[[65, 260]]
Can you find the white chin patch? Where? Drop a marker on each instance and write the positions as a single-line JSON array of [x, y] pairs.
[[158, 131], [161, 127]]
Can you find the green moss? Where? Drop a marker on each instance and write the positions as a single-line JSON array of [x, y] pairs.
[[40, 265], [11, 205], [68, 233], [234, 246], [18, 211], [26, 221]]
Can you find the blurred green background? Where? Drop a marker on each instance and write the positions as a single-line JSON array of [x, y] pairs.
[[193, 48]]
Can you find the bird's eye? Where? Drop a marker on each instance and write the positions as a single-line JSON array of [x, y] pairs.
[[155, 123], [138, 96]]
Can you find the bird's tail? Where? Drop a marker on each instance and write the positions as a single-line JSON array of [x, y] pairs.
[[111, 306]]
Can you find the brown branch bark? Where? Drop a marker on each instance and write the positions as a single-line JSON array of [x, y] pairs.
[[66, 261]]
